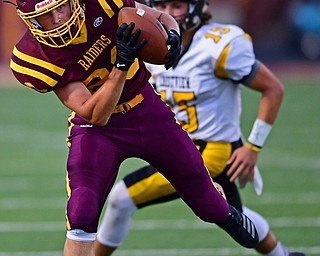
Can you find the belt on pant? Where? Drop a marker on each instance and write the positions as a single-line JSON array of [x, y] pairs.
[[126, 106]]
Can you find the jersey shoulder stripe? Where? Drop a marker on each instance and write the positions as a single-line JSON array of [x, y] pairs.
[[36, 74], [32, 70], [38, 62], [220, 40], [221, 64], [107, 8], [220, 70]]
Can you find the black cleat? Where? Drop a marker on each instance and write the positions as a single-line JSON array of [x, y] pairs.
[[240, 228], [297, 254]]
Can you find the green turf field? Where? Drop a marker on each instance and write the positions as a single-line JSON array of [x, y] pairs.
[[32, 188]]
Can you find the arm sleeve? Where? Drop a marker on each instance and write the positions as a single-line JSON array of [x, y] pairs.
[[240, 58], [246, 80]]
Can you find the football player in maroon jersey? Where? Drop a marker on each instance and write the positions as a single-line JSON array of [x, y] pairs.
[[77, 50]]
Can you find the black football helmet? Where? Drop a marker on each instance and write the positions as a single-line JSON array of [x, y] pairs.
[[59, 37], [193, 18]]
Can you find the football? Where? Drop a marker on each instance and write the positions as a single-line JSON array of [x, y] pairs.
[[155, 50]]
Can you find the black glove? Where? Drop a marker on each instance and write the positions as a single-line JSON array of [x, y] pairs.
[[126, 46], [175, 48]]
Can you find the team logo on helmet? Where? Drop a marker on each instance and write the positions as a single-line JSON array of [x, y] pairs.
[[44, 4]]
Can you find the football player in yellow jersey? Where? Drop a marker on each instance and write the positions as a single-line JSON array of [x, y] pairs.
[[77, 50], [203, 89]]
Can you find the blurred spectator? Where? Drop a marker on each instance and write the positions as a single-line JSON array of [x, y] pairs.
[[304, 18], [264, 20]]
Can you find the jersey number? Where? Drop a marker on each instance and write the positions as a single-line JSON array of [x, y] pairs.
[[181, 99], [218, 33], [99, 76]]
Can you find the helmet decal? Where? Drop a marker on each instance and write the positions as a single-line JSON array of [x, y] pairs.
[[44, 4]]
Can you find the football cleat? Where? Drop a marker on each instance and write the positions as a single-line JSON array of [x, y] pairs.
[[297, 254], [240, 228]]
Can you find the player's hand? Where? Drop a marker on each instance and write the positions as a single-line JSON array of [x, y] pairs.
[[127, 46], [175, 47], [242, 163]]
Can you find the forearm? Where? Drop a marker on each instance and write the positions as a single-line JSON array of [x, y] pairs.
[[100, 106], [272, 92], [96, 108], [269, 106], [268, 111]]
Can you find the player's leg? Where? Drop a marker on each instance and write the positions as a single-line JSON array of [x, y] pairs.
[[145, 187], [90, 177], [166, 146], [101, 249], [267, 240], [215, 156], [176, 157], [72, 247], [268, 243], [116, 221], [139, 189]]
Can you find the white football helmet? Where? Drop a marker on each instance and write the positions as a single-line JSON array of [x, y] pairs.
[[194, 16]]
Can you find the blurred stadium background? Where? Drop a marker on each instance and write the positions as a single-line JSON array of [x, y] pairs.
[[286, 37]]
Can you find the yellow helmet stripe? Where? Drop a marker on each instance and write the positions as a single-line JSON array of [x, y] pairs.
[[38, 62]]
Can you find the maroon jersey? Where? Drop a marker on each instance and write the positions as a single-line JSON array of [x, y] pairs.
[[88, 59]]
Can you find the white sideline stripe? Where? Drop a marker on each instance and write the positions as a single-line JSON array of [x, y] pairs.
[[27, 183], [315, 250], [204, 252], [197, 224], [32, 203], [59, 202], [149, 225], [32, 226]]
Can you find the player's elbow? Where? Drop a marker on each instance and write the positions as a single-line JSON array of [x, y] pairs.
[[97, 117], [278, 90], [275, 90], [98, 121]]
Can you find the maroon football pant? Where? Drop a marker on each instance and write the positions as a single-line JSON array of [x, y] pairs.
[[148, 131]]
